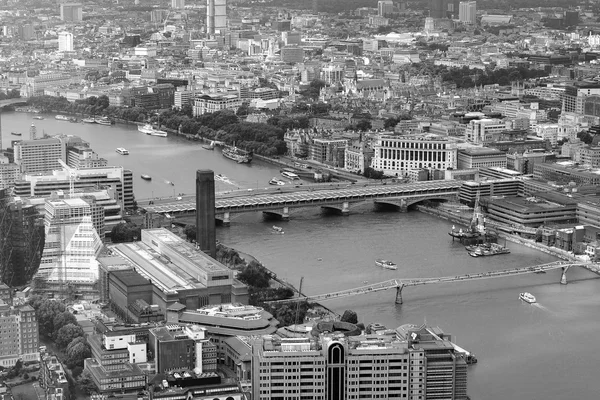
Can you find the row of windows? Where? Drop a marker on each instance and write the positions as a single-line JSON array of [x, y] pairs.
[[413, 145]]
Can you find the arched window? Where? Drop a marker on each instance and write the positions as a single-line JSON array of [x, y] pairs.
[[336, 354]]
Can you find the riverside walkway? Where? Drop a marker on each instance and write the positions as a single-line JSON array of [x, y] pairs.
[[399, 284]]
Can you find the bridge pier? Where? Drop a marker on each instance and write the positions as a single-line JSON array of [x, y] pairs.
[[226, 219], [285, 216], [403, 206], [563, 277], [399, 294], [345, 208]]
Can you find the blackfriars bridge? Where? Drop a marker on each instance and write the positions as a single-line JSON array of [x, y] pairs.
[[401, 196], [399, 284]]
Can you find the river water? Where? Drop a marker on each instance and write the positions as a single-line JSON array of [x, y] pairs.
[[544, 351]]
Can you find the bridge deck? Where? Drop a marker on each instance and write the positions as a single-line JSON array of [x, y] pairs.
[[399, 283], [304, 197]]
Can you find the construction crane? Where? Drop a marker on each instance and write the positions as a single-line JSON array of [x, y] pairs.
[[72, 177]]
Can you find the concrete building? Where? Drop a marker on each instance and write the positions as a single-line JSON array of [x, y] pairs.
[[179, 273], [357, 157], [467, 12], [210, 103], [19, 336], [481, 131], [216, 16], [438, 9], [117, 179], [128, 379], [178, 347], [65, 41], [479, 157], [42, 155], [396, 155], [411, 362], [328, 151], [543, 209], [565, 172], [469, 190], [71, 12], [292, 54]]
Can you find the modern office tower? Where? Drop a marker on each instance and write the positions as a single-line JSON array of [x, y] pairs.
[[71, 12], [32, 132], [467, 12], [21, 240], [438, 8], [385, 8], [19, 336], [72, 244], [216, 16], [346, 364], [178, 4], [205, 212], [65, 41]]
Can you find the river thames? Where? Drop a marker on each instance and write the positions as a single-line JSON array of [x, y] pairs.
[[543, 351]]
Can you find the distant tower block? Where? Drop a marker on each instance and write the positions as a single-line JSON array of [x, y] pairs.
[[205, 212], [1, 132], [33, 132]]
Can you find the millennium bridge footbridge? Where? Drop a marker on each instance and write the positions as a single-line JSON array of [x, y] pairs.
[[399, 284], [400, 195]]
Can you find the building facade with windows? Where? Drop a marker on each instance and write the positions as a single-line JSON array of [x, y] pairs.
[[210, 103], [19, 336], [412, 362], [397, 155]]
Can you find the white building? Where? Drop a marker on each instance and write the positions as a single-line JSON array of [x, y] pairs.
[[385, 8], [65, 41], [72, 244], [467, 12], [480, 131], [210, 103], [397, 155], [547, 131]]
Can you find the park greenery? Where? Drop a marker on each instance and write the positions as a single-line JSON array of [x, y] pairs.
[[60, 326], [125, 232]]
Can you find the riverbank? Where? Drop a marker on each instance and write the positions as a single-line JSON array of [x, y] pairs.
[[532, 244]]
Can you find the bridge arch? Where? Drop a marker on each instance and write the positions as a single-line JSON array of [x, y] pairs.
[[412, 202]]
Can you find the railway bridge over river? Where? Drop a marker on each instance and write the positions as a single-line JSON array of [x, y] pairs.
[[399, 284], [400, 195]]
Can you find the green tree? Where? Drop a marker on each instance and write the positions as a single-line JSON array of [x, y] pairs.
[[363, 125], [77, 351], [350, 316], [62, 319], [67, 333], [125, 232], [190, 232], [86, 383], [255, 275]]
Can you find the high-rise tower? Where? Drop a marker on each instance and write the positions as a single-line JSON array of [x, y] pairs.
[[205, 212], [216, 16]]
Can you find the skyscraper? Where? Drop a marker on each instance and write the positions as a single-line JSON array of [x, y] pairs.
[[65, 41], [467, 12], [385, 8], [71, 12], [216, 16]]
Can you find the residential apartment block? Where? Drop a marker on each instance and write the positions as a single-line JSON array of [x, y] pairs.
[[19, 336]]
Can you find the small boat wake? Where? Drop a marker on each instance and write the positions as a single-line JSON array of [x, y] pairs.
[[541, 307], [224, 179]]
